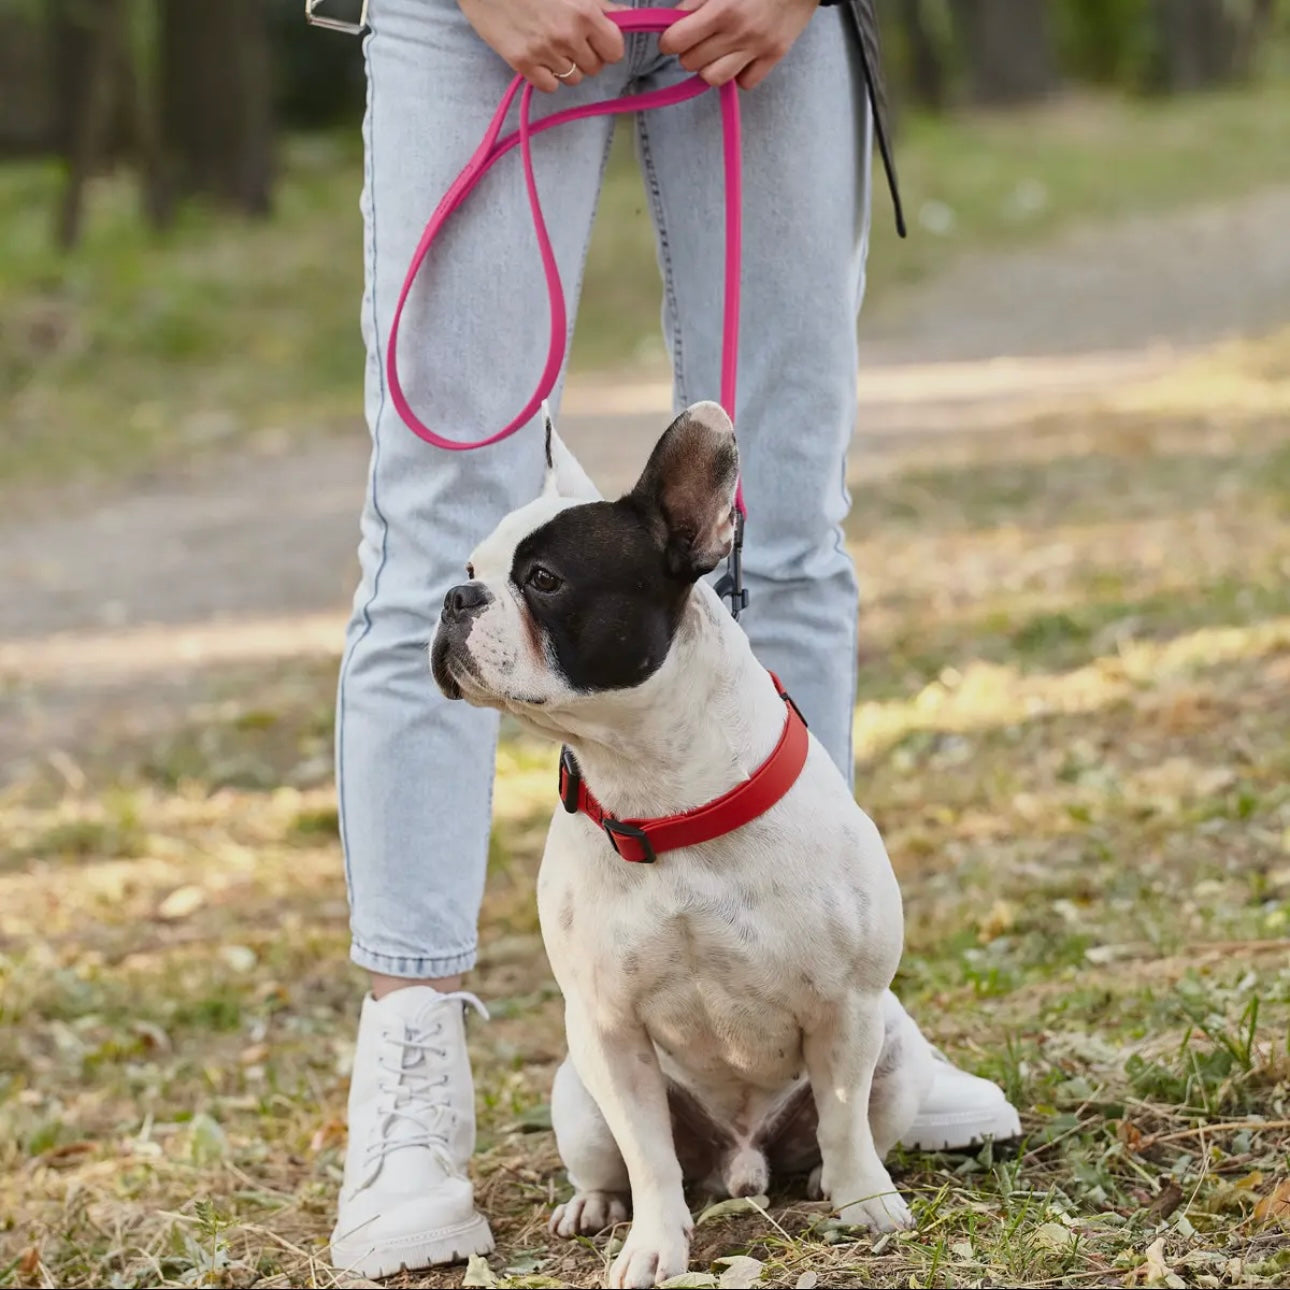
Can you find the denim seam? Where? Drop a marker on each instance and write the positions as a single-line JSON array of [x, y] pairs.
[[655, 194], [370, 178], [866, 224], [576, 295]]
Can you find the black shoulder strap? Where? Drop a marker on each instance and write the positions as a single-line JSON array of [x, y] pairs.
[[864, 18]]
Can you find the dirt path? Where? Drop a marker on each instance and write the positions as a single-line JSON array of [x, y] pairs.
[[114, 604]]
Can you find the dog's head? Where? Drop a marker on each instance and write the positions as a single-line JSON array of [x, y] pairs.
[[572, 595]]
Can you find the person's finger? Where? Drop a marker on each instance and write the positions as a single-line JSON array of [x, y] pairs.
[[756, 72], [584, 54], [605, 37], [706, 21], [564, 69], [727, 68], [538, 76], [708, 51]]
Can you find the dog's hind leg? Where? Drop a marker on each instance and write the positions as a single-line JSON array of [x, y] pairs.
[[590, 1154], [901, 1077]]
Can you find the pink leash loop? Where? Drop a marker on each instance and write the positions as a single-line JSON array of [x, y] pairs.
[[494, 146]]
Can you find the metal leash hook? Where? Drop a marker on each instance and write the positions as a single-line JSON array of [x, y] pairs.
[[349, 27], [731, 583]]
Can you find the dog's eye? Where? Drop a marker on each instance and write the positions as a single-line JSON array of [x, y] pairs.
[[470, 572], [544, 580]]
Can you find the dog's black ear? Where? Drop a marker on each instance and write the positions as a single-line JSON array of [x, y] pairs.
[[688, 486]]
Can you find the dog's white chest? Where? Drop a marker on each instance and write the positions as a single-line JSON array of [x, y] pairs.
[[723, 965]]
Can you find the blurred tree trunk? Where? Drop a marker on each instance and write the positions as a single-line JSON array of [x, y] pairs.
[[927, 72], [1009, 48], [1202, 43], [88, 64], [215, 123]]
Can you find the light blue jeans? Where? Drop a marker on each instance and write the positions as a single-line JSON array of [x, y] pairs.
[[414, 771]]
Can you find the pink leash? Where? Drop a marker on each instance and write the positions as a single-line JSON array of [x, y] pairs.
[[492, 148]]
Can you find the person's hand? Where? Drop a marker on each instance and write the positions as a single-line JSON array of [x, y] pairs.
[[725, 39], [539, 38]]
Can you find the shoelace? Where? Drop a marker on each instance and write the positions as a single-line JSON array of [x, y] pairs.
[[411, 1094]]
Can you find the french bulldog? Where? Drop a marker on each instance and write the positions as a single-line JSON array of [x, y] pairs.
[[728, 1008]]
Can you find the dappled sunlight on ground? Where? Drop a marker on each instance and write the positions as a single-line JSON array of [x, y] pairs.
[[1072, 730]]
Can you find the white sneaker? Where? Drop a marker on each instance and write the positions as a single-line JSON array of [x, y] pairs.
[[406, 1201], [960, 1111]]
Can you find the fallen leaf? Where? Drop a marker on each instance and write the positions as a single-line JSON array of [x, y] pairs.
[[478, 1273], [1166, 1202], [735, 1205], [327, 1133], [1053, 1236], [69, 1154], [29, 1263], [206, 1140], [807, 1281], [962, 1250], [739, 1272], [151, 1037], [526, 1265], [705, 1280], [536, 1119], [1155, 1271], [239, 957], [1275, 1206], [181, 902], [1001, 918]]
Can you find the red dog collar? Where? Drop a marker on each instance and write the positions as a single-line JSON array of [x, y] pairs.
[[645, 840]]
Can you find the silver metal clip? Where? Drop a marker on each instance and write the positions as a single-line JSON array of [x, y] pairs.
[[316, 19]]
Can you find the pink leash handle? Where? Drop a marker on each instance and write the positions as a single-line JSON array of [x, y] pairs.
[[494, 146]]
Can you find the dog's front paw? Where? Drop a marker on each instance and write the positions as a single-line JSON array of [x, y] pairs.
[[651, 1256], [589, 1212], [872, 1203], [882, 1212]]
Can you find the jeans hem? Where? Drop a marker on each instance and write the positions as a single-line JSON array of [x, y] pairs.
[[425, 967]]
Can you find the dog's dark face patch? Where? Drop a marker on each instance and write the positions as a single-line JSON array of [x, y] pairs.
[[595, 583], [577, 595]]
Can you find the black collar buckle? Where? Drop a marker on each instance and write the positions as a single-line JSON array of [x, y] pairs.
[[570, 781], [615, 829]]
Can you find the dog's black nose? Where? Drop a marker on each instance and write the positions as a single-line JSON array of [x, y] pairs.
[[464, 600]]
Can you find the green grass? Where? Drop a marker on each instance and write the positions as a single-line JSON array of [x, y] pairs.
[[1074, 698], [132, 348]]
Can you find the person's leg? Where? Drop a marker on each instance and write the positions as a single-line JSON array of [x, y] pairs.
[[806, 154], [414, 772], [805, 228]]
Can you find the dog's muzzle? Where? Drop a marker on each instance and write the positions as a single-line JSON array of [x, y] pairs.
[[461, 606], [463, 602]]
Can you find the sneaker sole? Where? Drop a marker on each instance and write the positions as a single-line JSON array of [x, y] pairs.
[[965, 1131], [450, 1245]]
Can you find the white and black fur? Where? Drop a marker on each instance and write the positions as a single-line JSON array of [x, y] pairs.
[[727, 1008]]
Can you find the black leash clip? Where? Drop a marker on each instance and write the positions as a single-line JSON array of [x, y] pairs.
[[731, 583]]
